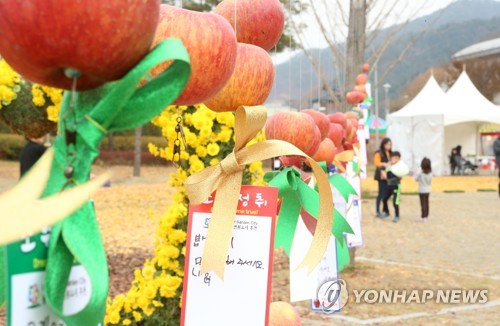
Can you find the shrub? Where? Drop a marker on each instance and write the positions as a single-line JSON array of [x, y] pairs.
[[11, 146], [126, 143]]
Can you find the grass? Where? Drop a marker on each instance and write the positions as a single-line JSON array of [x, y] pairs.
[[452, 191], [487, 190]]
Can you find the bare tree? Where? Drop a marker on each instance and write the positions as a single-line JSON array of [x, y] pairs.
[[359, 23]]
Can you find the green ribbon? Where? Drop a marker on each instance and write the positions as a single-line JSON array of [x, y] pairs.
[[343, 258], [3, 276], [113, 107], [344, 187], [297, 195]]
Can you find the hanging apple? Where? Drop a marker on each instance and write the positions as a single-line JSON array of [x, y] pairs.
[[211, 44], [258, 22], [296, 128], [250, 83], [321, 121], [351, 116], [354, 97], [102, 40], [366, 68], [336, 134], [361, 79], [326, 151], [360, 88], [339, 118]]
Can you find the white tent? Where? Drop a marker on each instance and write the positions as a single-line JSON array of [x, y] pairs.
[[433, 123], [416, 130]]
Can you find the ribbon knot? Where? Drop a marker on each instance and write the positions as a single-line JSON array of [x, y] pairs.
[[230, 164], [226, 178]]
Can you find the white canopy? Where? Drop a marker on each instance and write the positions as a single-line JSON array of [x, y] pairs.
[[464, 103], [415, 130], [434, 122], [428, 101]]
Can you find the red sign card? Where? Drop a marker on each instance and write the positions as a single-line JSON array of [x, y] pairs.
[[243, 297]]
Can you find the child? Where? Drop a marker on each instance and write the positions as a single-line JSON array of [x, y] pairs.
[[393, 187], [424, 178]]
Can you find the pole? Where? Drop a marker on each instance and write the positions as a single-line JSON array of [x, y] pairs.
[[376, 106], [386, 89], [137, 152]]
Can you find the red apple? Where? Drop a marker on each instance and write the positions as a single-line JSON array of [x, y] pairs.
[[338, 118], [258, 22], [292, 161], [283, 314], [351, 115], [352, 128], [354, 97], [102, 40], [360, 88], [321, 121], [366, 68], [316, 143], [250, 83], [361, 79], [326, 151], [211, 45], [336, 134], [297, 128], [348, 146]]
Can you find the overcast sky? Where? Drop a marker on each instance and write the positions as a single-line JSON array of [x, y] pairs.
[[404, 8]]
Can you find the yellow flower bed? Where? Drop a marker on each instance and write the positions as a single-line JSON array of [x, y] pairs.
[[155, 294], [10, 86], [10, 82]]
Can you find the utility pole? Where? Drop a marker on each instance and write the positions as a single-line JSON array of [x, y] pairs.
[[375, 118]]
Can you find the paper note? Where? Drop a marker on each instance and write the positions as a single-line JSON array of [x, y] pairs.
[[243, 297], [354, 213]]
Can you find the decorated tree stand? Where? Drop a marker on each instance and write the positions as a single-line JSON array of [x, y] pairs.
[[86, 117]]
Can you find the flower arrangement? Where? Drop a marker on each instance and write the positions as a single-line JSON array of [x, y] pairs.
[[155, 295], [27, 108]]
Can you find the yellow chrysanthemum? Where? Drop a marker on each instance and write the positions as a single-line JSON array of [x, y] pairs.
[[213, 149]]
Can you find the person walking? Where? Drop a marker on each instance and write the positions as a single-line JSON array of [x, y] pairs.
[[381, 162], [496, 150], [424, 178]]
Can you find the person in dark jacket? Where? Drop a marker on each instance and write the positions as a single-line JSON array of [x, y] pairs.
[[31, 153], [496, 150], [381, 162]]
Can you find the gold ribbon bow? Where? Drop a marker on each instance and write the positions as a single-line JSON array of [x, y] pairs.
[[341, 157], [226, 178]]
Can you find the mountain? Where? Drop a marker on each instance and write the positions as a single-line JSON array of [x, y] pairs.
[[451, 29]]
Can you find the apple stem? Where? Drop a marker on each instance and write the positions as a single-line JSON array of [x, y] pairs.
[[72, 73]]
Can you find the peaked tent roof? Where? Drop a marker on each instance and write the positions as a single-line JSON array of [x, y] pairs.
[[429, 101], [465, 103]]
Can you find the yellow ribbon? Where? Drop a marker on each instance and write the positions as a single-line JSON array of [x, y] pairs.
[[341, 157], [226, 178]]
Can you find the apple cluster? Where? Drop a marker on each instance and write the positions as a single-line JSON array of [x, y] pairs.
[[318, 135], [230, 66], [359, 94]]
